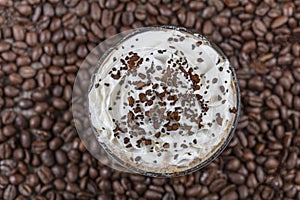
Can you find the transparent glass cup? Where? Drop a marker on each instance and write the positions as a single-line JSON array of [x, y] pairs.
[[104, 152]]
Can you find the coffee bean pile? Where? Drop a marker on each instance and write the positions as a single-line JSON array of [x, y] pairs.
[[42, 44]]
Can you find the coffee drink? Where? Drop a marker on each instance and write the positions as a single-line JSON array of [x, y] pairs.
[[163, 100]]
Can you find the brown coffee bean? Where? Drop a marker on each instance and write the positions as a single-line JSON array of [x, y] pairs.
[[127, 18], [68, 135], [36, 53], [279, 21], [45, 60], [7, 102], [55, 143], [8, 167], [251, 181], [208, 12], [107, 17], [49, 49], [21, 122], [190, 19], [46, 123], [44, 79], [25, 103], [10, 192], [296, 103], [230, 195], [256, 84], [9, 130], [72, 173], [220, 21], [288, 99], [61, 157], [8, 116], [31, 38], [271, 114], [18, 154], [233, 164], [34, 121], [18, 32], [236, 178], [59, 103], [194, 191], [207, 27], [45, 175], [38, 146], [5, 151], [59, 184], [105, 185], [292, 159], [3, 181], [15, 79], [152, 195], [16, 179], [249, 46], [4, 46], [47, 158], [82, 8], [259, 28], [273, 102], [217, 185], [271, 164], [25, 139], [95, 11], [40, 107], [11, 91]]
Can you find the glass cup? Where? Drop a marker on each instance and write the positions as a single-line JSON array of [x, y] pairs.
[[162, 102]]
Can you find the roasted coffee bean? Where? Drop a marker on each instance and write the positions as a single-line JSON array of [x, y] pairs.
[[256, 84], [25, 139], [18, 154], [194, 191], [233, 164], [59, 103], [34, 121], [45, 175], [46, 124], [72, 173], [59, 184], [25, 103], [236, 178], [8, 116], [16, 179], [8, 167], [152, 195], [39, 95], [217, 185], [15, 79], [271, 114], [10, 192], [38, 146], [3, 181], [41, 107], [5, 151], [9, 130], [61, 157], [47, 158], [29, 84], [55, 143]]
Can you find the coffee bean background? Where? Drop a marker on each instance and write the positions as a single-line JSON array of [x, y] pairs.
[[42, 44]]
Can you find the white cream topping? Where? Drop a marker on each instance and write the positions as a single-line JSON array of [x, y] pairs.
[[152, 69]]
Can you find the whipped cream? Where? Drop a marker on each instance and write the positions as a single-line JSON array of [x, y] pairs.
[[163, 100]]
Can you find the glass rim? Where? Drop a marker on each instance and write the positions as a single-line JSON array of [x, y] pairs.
[[216, 153]]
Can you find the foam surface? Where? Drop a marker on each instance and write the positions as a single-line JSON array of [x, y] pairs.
[[161, 100]]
